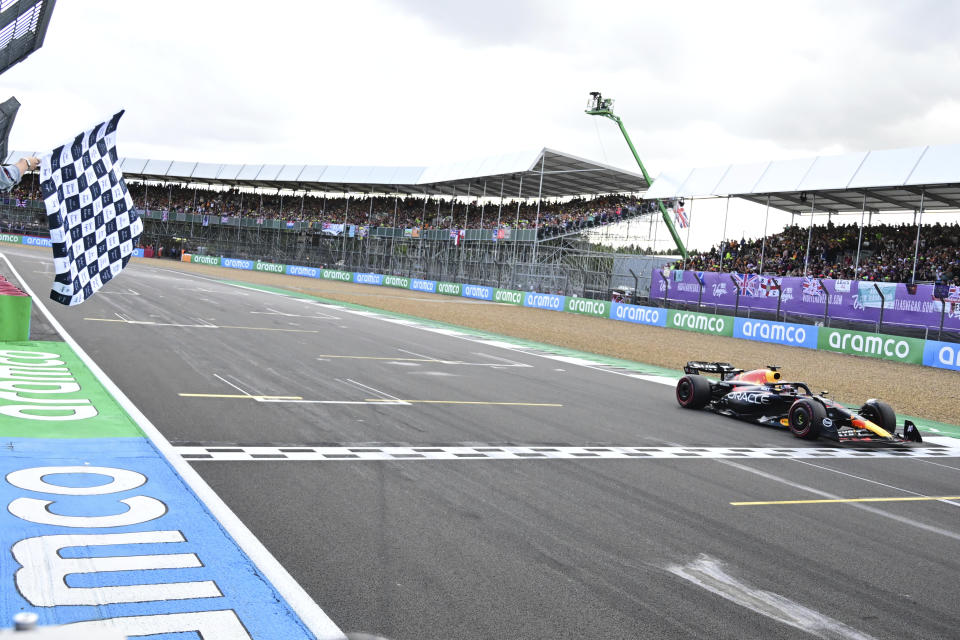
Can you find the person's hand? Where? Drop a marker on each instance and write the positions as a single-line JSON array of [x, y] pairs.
[[28, 164]]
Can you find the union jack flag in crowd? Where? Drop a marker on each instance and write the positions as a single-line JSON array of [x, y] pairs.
[[748, 284], [681, 217], [812, 287]]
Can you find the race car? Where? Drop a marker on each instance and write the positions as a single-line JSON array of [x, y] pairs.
[[762, 396]]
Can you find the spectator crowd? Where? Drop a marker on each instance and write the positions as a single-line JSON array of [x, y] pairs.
[[387, 211], [886, 254]]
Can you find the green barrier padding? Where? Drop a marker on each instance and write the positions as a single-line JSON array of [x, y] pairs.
[[700, 322], [508, 296], [586, 306], [449, 288], [873, 345]]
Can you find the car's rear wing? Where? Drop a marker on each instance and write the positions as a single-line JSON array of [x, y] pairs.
[[724, 369]]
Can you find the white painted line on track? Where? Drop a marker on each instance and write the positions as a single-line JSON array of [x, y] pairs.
[[708, 573], [312, 616], [382, 394], [373, 452]]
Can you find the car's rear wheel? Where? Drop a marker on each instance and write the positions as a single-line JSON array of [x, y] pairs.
[[693, 392], [805, 418], [880, 413]]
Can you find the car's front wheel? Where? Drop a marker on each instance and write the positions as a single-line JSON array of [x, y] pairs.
[[881, 414], [693, 392], [805, 418]]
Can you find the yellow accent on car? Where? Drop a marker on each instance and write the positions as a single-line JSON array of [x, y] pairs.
[[863, 423]]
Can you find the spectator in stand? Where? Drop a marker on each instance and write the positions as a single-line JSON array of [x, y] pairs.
[[886, 254]]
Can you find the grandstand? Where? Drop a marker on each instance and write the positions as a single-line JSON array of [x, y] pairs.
[[909, 180], [521, 220]]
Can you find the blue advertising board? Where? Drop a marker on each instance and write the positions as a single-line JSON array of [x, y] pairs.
[[787, 333], [427, 286], [543, 301], [236, 263], [638, 314], [943, 355], [477, 291], [368, 278], [306, 272]]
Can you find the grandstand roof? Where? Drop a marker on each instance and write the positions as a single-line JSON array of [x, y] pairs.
[[563, 175], [890, 180], [23, 26]]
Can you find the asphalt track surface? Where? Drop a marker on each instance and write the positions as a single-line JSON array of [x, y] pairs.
[[415, 548]]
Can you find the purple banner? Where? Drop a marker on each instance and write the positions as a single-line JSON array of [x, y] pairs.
[[849, 299]]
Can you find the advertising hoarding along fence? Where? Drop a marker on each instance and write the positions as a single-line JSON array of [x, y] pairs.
[[449, 288], [396, 281], [427, 286], [477, 292], [305, 272], [588, 307], [943, 355], [755, 292], [874, 345], [333, 274], [543, 301], [508, 296], [637, 314], [269, 267], [368, 278], [235, 263], [794, 335], [700, 322]]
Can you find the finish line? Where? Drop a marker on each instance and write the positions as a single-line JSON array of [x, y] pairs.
[[373, 452]]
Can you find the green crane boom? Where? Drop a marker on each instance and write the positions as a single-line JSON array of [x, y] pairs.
[[600, 106]]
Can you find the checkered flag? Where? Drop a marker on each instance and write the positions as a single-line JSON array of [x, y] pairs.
[[93, 227]]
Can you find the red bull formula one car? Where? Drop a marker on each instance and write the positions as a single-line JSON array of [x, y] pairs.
[[762, 396]]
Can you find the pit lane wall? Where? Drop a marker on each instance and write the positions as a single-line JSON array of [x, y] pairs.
[[930, 353]]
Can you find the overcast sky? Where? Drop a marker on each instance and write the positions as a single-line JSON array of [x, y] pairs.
[[417, 82]]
